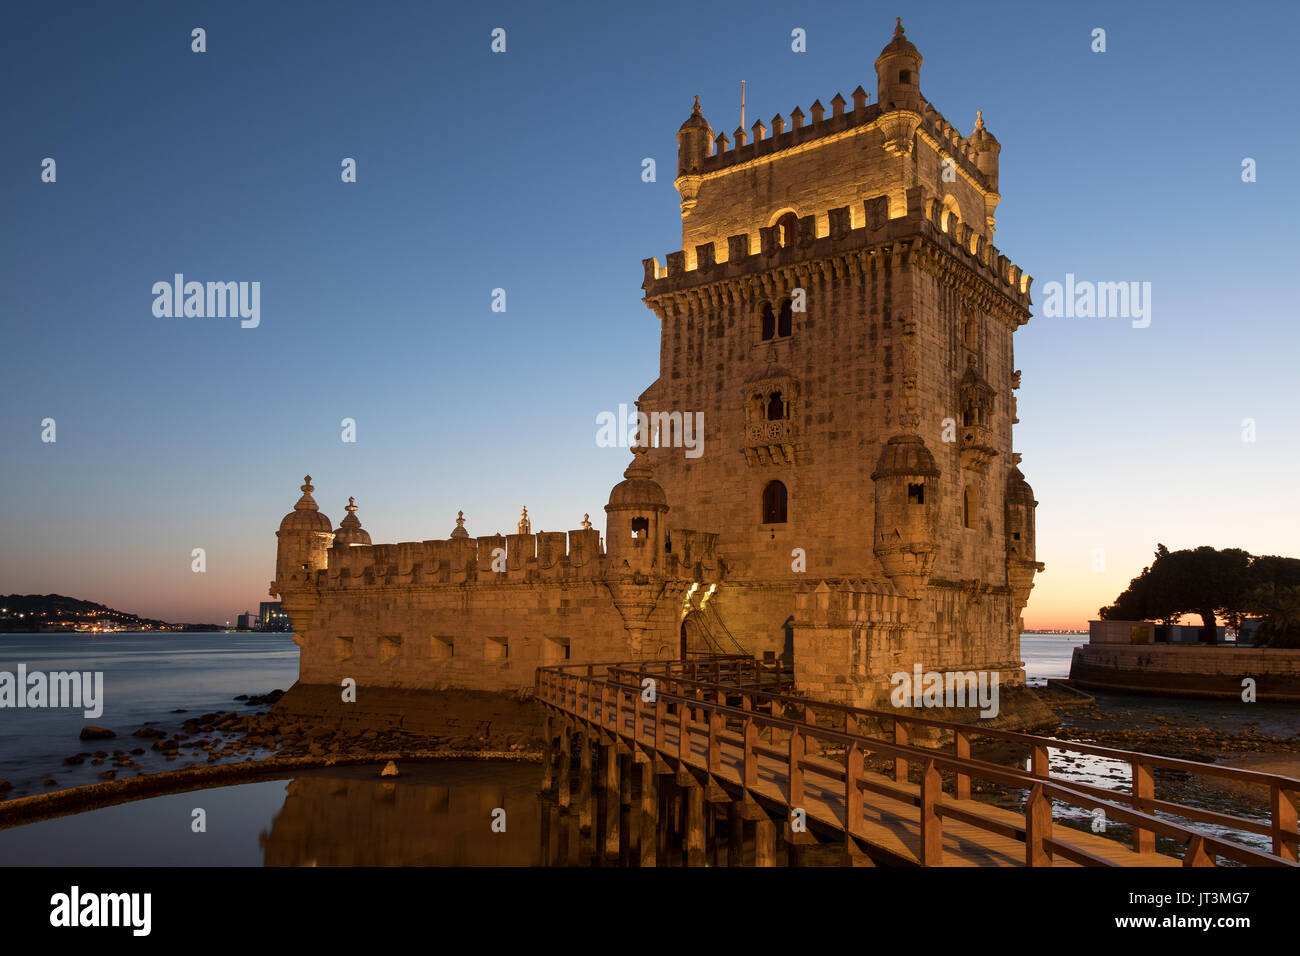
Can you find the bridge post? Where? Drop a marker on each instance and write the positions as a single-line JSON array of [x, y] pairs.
[[735, 835], [1038, 828], [764, 841], [853, 764], [548, 759], [695, 835], [1144, 789], [931, 823], [649, 841], [1286, 842], [962, 786], [610, 780], [900, 763], [1196, 854], [584, 781], [565, 757]]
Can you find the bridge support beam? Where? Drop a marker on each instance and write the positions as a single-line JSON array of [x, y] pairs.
[[584, 782], [735, 835], [548, 759], [764, 841], [610, 781], [649, 842], [565, 757], [695, 832]]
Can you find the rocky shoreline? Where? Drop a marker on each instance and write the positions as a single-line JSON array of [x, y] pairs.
[[264, 738]]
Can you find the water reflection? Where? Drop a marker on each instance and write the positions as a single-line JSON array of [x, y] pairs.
[[432, 815]]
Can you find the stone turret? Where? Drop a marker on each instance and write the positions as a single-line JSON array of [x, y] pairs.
[[350, 533], [693, 141], [635, 525], [987, 149], [302, 549], [907, 512], [1022, 563], [635, 549], [898, 74]]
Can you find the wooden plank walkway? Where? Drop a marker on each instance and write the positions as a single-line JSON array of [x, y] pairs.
[[891, 820]]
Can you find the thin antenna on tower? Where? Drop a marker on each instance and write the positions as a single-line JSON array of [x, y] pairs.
[[742, 104]]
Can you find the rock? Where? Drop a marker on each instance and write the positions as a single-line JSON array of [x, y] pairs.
[[147, 732], [51, 782], [74, 760], [5, 786], [180, 710], [90, 732], [108, 775], [390, 770], [137, 751]]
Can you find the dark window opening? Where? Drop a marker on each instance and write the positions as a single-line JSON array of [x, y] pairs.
[[1015, 536], [789, 226], [787, 319], [640, 527], [775, 408], [970, 506], [774, 503], [916, 494], [904, 76], [769, 322]]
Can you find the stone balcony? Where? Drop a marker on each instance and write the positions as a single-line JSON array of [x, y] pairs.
[[976, 447], [769, 443]]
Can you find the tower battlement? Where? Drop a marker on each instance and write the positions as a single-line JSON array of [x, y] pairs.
[[802, 131], [925, 218]]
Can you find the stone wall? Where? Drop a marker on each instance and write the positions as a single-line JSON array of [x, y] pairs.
[[1188, 670]]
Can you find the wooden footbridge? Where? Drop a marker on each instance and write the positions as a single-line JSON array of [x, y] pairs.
[[690, 735]]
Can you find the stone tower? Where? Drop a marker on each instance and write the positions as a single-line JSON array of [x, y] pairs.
[[839, 314]]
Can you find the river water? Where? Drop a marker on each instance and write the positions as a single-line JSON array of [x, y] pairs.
[[438, 813]]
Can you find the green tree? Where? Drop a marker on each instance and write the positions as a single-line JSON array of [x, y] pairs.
[[1203, 581], [1279, 606]]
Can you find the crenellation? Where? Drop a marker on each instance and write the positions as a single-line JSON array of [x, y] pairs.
[[924, 216]]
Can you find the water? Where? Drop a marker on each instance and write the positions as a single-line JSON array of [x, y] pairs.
[[1047, 656], [436, 813], [146, 677]]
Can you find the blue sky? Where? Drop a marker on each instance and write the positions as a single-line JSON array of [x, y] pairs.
[[522, 171]]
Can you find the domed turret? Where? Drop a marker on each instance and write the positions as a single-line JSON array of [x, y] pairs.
[[634, 525], [350, 533], [693, 139], [898, 73], [1021, 545], [987, 149], [1020, 506], [907, 512], [303, 542]]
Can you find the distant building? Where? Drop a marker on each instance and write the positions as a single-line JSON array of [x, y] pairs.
[[271, 617], [245, 621], [1147, 632]]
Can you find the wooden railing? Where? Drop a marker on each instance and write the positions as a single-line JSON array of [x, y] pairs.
[[608, 695]]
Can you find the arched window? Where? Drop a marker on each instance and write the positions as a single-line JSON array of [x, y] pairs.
[[970, 507], [789, 226], [775, 407], [786, 319], [774, 503], [640, 527], [768, 322]]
